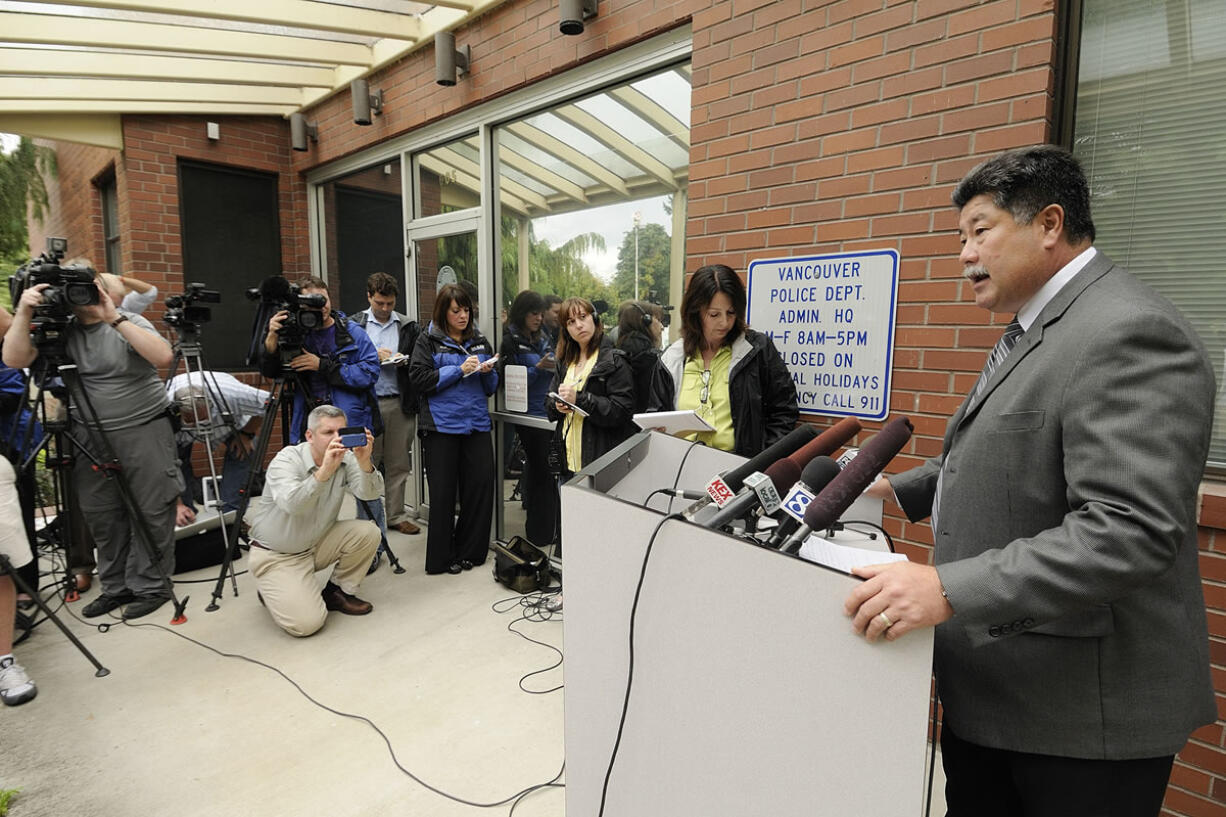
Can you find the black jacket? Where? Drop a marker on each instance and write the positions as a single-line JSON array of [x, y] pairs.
[[653, 386], [607, 397], [408, 339], [760, 388]]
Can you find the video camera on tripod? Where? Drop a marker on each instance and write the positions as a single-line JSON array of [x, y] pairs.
[[306, 314], [184, 310], [67, 286]]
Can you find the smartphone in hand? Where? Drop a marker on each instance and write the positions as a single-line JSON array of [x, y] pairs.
[[353, 436]]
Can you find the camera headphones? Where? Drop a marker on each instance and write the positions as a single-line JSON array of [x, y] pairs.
[[646, 318]]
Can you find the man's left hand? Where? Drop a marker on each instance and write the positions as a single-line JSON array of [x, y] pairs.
[[184, 515], [362, 452], [908, 594], [305, 362]]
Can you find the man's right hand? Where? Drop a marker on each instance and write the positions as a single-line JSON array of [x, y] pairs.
[[274, 329], [333, 454], [31, 298]]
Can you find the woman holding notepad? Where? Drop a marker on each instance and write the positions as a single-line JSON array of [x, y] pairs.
[[730, 375], [596, 389]]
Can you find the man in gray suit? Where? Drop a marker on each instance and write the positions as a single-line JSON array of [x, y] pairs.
[[1071, 644]]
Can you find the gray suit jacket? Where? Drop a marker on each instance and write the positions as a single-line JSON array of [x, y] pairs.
[[1066, 535]]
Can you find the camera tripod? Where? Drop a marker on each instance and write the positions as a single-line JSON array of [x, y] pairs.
[[62, 448], [6, 568], [189, 351], [283, 387]]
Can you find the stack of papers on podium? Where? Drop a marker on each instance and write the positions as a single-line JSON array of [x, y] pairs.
[[843, 557]]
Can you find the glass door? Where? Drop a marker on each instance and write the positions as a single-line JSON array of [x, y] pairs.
[[440, 254]]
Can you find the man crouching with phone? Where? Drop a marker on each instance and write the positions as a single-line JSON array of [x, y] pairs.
[[294, 531]]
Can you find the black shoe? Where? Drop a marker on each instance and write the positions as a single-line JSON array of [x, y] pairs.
[[105, 604], [143, 606], [454, 569], [466, 565], [374, 564]]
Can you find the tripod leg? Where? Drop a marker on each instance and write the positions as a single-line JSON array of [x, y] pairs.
[[6, 567]]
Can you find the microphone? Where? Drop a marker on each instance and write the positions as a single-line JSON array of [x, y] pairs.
[[816, 476], [829, 441], [693, 496], [727, 485], [765, 490], [852, 481]]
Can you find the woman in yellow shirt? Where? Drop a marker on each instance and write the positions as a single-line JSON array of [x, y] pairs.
[[732, 376], [594, 376]]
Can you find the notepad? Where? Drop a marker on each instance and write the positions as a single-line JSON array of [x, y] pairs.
[[673, 422]]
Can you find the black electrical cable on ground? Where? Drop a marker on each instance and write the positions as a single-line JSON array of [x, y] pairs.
[[634, 607]]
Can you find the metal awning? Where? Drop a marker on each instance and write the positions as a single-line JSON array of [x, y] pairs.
[[65, 65]]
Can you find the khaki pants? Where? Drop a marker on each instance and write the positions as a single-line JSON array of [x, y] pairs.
[[287, 583]]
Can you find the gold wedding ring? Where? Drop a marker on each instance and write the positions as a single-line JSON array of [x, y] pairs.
[[885, 619]]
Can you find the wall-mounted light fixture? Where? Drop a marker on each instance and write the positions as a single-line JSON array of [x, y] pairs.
[[574, 14], [448, 60], [364, 102], [300, 131]]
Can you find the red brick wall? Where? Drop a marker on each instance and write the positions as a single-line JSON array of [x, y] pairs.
[[75, 210]]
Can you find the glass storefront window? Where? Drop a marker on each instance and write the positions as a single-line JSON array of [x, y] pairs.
[[448, 178], [591, 203], [1149, 133], [363, 225]]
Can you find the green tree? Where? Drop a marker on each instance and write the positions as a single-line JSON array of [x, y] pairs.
[[23, 190], [552, 270], [654, 264]]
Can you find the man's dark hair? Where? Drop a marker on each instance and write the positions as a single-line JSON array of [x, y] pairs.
[[1025, 181], [380, 283], [311, 282]]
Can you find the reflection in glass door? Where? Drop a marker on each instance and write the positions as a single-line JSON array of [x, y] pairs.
[[449, 258]]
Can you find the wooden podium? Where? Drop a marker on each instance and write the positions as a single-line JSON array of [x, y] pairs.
[[751, 696]]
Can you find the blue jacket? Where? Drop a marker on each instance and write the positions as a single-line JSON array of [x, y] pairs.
[[450, 402], [14, 417], [348, 371], [520, 350]]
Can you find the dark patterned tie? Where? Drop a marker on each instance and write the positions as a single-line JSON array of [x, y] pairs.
[[999, 352]]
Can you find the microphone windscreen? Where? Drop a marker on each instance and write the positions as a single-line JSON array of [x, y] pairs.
[[843, 490], [829, 441], [275, 287], [735, 479], [818, 473], [783, 473]]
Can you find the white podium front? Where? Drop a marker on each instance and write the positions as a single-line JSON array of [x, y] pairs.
[[751, 696]]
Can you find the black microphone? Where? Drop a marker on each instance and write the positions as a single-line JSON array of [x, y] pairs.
[[764, 490], [852, 481], [816, 476], [728, 484]]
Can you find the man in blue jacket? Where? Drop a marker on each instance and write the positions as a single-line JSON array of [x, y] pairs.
[[338, 366]]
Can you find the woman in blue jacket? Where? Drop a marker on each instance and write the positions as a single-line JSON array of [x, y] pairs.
[[526, 343], [453, 372]]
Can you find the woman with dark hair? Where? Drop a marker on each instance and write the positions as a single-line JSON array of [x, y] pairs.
[[594, 376], [728, 373], [525, 343], [639, 329], [453, 371]]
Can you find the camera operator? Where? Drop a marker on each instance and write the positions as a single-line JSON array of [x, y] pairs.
[[295, 532], [117, 354], [197, 394], [338, 363]]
